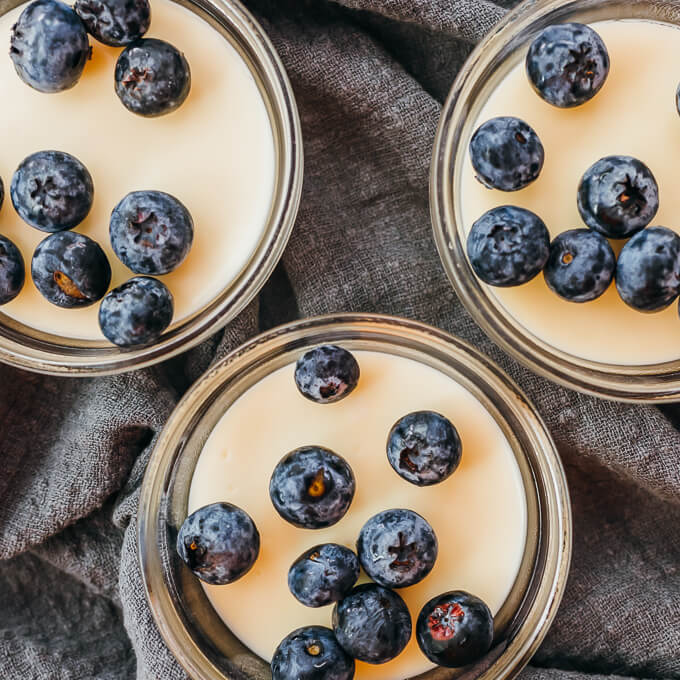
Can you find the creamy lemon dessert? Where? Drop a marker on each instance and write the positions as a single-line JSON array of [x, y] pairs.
[[477, 512], [214, 153], [633, 114]]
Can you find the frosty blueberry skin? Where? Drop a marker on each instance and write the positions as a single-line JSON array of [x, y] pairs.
[[648, 269], [136, 313], [12, 271], [506, 154], [618, 196], [508, 246], [70, 270], [219, 543], [326, 374], [152, 77], [567, 64], [49, 46], [372, 623], [114, 22], [311, 653]]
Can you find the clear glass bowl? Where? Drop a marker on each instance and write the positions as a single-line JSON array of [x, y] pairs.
[[486, 66], [34, 350], [191, 628]]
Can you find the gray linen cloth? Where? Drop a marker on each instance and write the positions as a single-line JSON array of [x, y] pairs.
[[370, 76]]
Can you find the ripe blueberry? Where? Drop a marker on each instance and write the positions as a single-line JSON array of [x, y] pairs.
[[618, 196], [326, 374], [12, 271], [219, 543], [323, 574], [454, 629], [70, 270], [312, 487], [506, 154], [115, 22], [580, 266], [508, 246], [567, 64]]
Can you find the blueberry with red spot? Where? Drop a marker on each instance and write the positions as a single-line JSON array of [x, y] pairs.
[[397, 548], [52, 191], [326, 374], [424, 448], [219, 543], [312, 487], [372, 623], [152, 77], [70, 270], [508, 246], [114, 22], [506, 154], [151, 232], [323, 574], [454, 629], [567, 64], [12, 271], [311, 653], [618, 196], [49, 46]]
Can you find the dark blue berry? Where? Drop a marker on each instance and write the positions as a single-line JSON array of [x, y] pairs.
[[454, 629], [618, 196], [580, 266], [323, 574], [506, 154], [136, 313], [115, 22], [567, 64], [52, 191], [508, 246], [152, 77], [372, 623], [151, 232], [424, 448], [12, 271], [219, 543], [397, 548], [312, 487], [70, 270], [648, 269], [49, 46], [311, 653], [326, 374]]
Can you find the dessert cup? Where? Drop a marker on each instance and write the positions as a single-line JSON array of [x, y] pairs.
[[192, 629]]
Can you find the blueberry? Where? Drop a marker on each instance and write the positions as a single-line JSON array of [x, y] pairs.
[[618, 196], [70, 270], [454, 629], [219, 543], [12, 271], [508, 246], [372, 623], [397, 548], [52, 191], [580, 266], [506, 154], [323, 574], [312, 487], [648, 269], [49, 46], [567, 64], [424, 448], [151, 232], [326, 374], [115, 22], [152, 77], [136, 313], [311, 653]]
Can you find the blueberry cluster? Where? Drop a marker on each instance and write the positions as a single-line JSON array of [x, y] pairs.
[[617, 197], [151, 232], [50, 48], [313, 488]]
